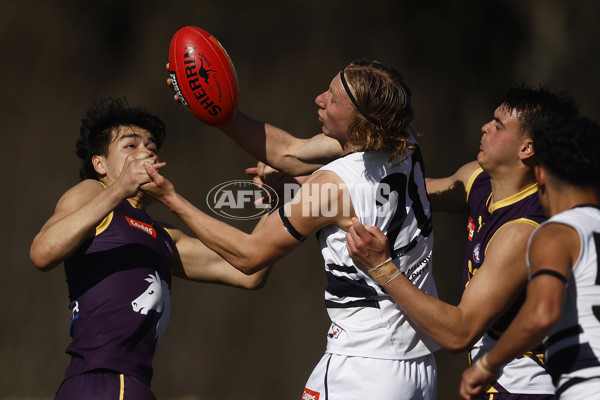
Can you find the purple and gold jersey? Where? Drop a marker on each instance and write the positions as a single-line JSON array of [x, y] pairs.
[[119, 286], [526, 374]]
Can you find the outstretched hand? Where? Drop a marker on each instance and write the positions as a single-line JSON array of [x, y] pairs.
[[264, 174], [367, 245]]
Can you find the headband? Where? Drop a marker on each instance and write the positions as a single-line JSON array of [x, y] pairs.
[[360, 110]]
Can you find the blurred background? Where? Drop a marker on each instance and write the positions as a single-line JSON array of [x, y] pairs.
[[458, 57]]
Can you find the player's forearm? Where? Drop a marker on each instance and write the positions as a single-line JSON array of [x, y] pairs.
[[230, 243], [532, 324], [279, 149], [442, 322], [61, 237]]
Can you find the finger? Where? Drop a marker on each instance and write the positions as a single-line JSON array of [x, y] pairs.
[[151, 171], [350, 243], [361, 231], [252, 171], [159, 165], [376, 233], [167, 67]]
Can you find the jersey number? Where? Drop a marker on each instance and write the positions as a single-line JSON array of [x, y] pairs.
[[397, 182]]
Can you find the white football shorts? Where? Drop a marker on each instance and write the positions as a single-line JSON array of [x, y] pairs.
[[339, 377]]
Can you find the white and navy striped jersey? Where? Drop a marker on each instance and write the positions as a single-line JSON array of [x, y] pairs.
[[391, 195], [573, 346]]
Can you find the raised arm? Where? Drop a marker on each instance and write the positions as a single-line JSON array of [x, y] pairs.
[[82, 208], [280, 149], [450, 193], [268, 243]]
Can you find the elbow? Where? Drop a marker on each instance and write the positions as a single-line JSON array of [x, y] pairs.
[[256, 283], [40, 265], [40, 260], [457, 342], [251, 268], [544, 318], [257, 277], [457, 345]]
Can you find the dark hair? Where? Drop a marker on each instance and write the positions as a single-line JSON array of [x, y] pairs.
[[384, 101], [569, 147], [101, 120], [534, 107]]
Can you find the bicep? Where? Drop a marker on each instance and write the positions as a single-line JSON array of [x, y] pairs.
[[322, 200], [194, 261], [501, 278]]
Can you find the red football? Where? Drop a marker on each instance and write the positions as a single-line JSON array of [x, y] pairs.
[[203, 76]]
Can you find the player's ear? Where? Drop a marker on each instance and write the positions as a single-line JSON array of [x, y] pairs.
[[526, 150], [99, 163]]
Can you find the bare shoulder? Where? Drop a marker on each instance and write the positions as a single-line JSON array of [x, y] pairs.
[[508, 246], [554, 241], [324, 176], [465, 172], [450, 193], [79, 194], [514, 234]]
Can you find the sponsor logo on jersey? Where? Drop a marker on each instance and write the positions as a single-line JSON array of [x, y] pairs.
[[149, 229], [471, 228], [476, 253], [310, 395], [334, 331]]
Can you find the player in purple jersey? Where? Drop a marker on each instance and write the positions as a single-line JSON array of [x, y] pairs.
[[500, 193], [119, 260], [563, 292]]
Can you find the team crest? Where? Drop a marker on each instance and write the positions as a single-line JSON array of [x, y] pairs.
[[476, 255], [157, 298]]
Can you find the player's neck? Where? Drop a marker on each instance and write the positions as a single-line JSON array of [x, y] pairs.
[[139, 201], [509, 185], [563, 200]]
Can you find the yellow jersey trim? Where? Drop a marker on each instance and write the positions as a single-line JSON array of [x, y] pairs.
[[514, 198], [122, 389], [472, 178], [106, 221]]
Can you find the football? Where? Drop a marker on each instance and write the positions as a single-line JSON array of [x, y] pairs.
[[203, 75]]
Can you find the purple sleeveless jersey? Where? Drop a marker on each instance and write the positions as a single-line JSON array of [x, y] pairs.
[[483, 224], [119, 286]]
